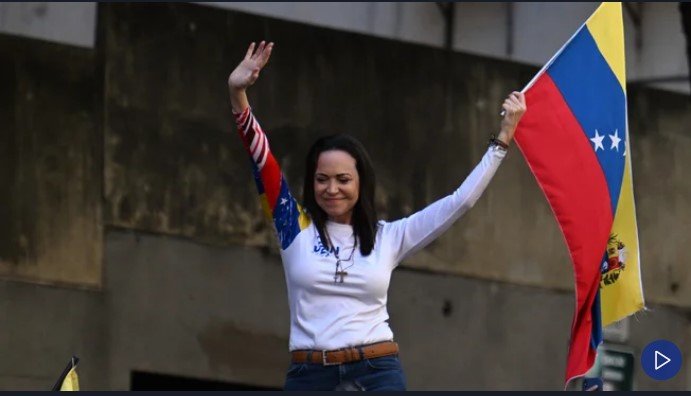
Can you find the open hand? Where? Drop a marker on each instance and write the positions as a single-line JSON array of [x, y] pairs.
[[247, 72]]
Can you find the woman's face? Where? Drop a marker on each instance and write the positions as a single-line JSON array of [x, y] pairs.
[[336, 185]]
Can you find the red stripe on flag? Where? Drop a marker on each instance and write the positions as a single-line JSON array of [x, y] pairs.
[[563, 161], [271, 177]]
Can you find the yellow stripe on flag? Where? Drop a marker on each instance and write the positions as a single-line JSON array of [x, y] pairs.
[[304, 220], [621, 289], [265, 207], [624, 297], [607, 28]]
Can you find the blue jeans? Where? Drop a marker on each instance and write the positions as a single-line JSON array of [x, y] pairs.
[[378, 374]]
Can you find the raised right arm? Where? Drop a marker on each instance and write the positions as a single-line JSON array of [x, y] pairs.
[[277, 201]]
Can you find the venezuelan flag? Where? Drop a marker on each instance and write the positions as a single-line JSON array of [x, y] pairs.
[[575, 140]]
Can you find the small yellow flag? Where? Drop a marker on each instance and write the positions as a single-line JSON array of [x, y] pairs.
[[68, 380], [71, 381]]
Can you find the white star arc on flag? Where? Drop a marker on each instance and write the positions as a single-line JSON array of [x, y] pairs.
[[615, 140], [597, 140]]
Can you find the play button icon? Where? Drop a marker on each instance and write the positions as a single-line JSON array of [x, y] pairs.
[[660, 363], [661, 360]]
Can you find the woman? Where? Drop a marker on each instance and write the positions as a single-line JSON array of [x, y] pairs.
[[336, 256]]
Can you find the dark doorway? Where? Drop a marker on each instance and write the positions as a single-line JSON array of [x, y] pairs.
[[142, 381]]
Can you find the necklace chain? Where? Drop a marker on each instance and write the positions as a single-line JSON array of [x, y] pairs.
[[342, 273]]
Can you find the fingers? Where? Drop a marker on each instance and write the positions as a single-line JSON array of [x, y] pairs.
[[518, 98], [507, 109], [514, 103], [250, 50], [266, 54], [521, 97], [259, 51], [262, 54]]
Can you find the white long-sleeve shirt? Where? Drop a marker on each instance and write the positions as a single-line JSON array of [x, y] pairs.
[[324, 313]]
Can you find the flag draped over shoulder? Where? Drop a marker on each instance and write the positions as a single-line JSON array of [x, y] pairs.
[[574, 137]]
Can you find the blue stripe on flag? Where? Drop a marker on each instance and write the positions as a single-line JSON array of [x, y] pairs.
[[257, 177], [286, 215], [596, 98], [596, 334]]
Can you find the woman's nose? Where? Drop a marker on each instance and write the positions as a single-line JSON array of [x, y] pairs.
[[332, 188]]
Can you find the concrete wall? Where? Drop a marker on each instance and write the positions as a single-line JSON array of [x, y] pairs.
[[661, 147], [50, 164], [43, 327], [61, 22], [502, 30], [655, 47], [187, 260]]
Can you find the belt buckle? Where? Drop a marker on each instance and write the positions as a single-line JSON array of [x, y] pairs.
[[325, 363]]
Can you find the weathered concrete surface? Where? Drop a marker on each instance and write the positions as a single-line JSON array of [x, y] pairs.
[[50, 165], [186, 309], [43, 327], [70, 23], [662, 158], [171, 165]]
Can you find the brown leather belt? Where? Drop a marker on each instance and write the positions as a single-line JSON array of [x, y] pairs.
[[345, 355]]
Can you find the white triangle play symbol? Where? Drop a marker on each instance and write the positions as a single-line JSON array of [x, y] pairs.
[[660, 365]]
